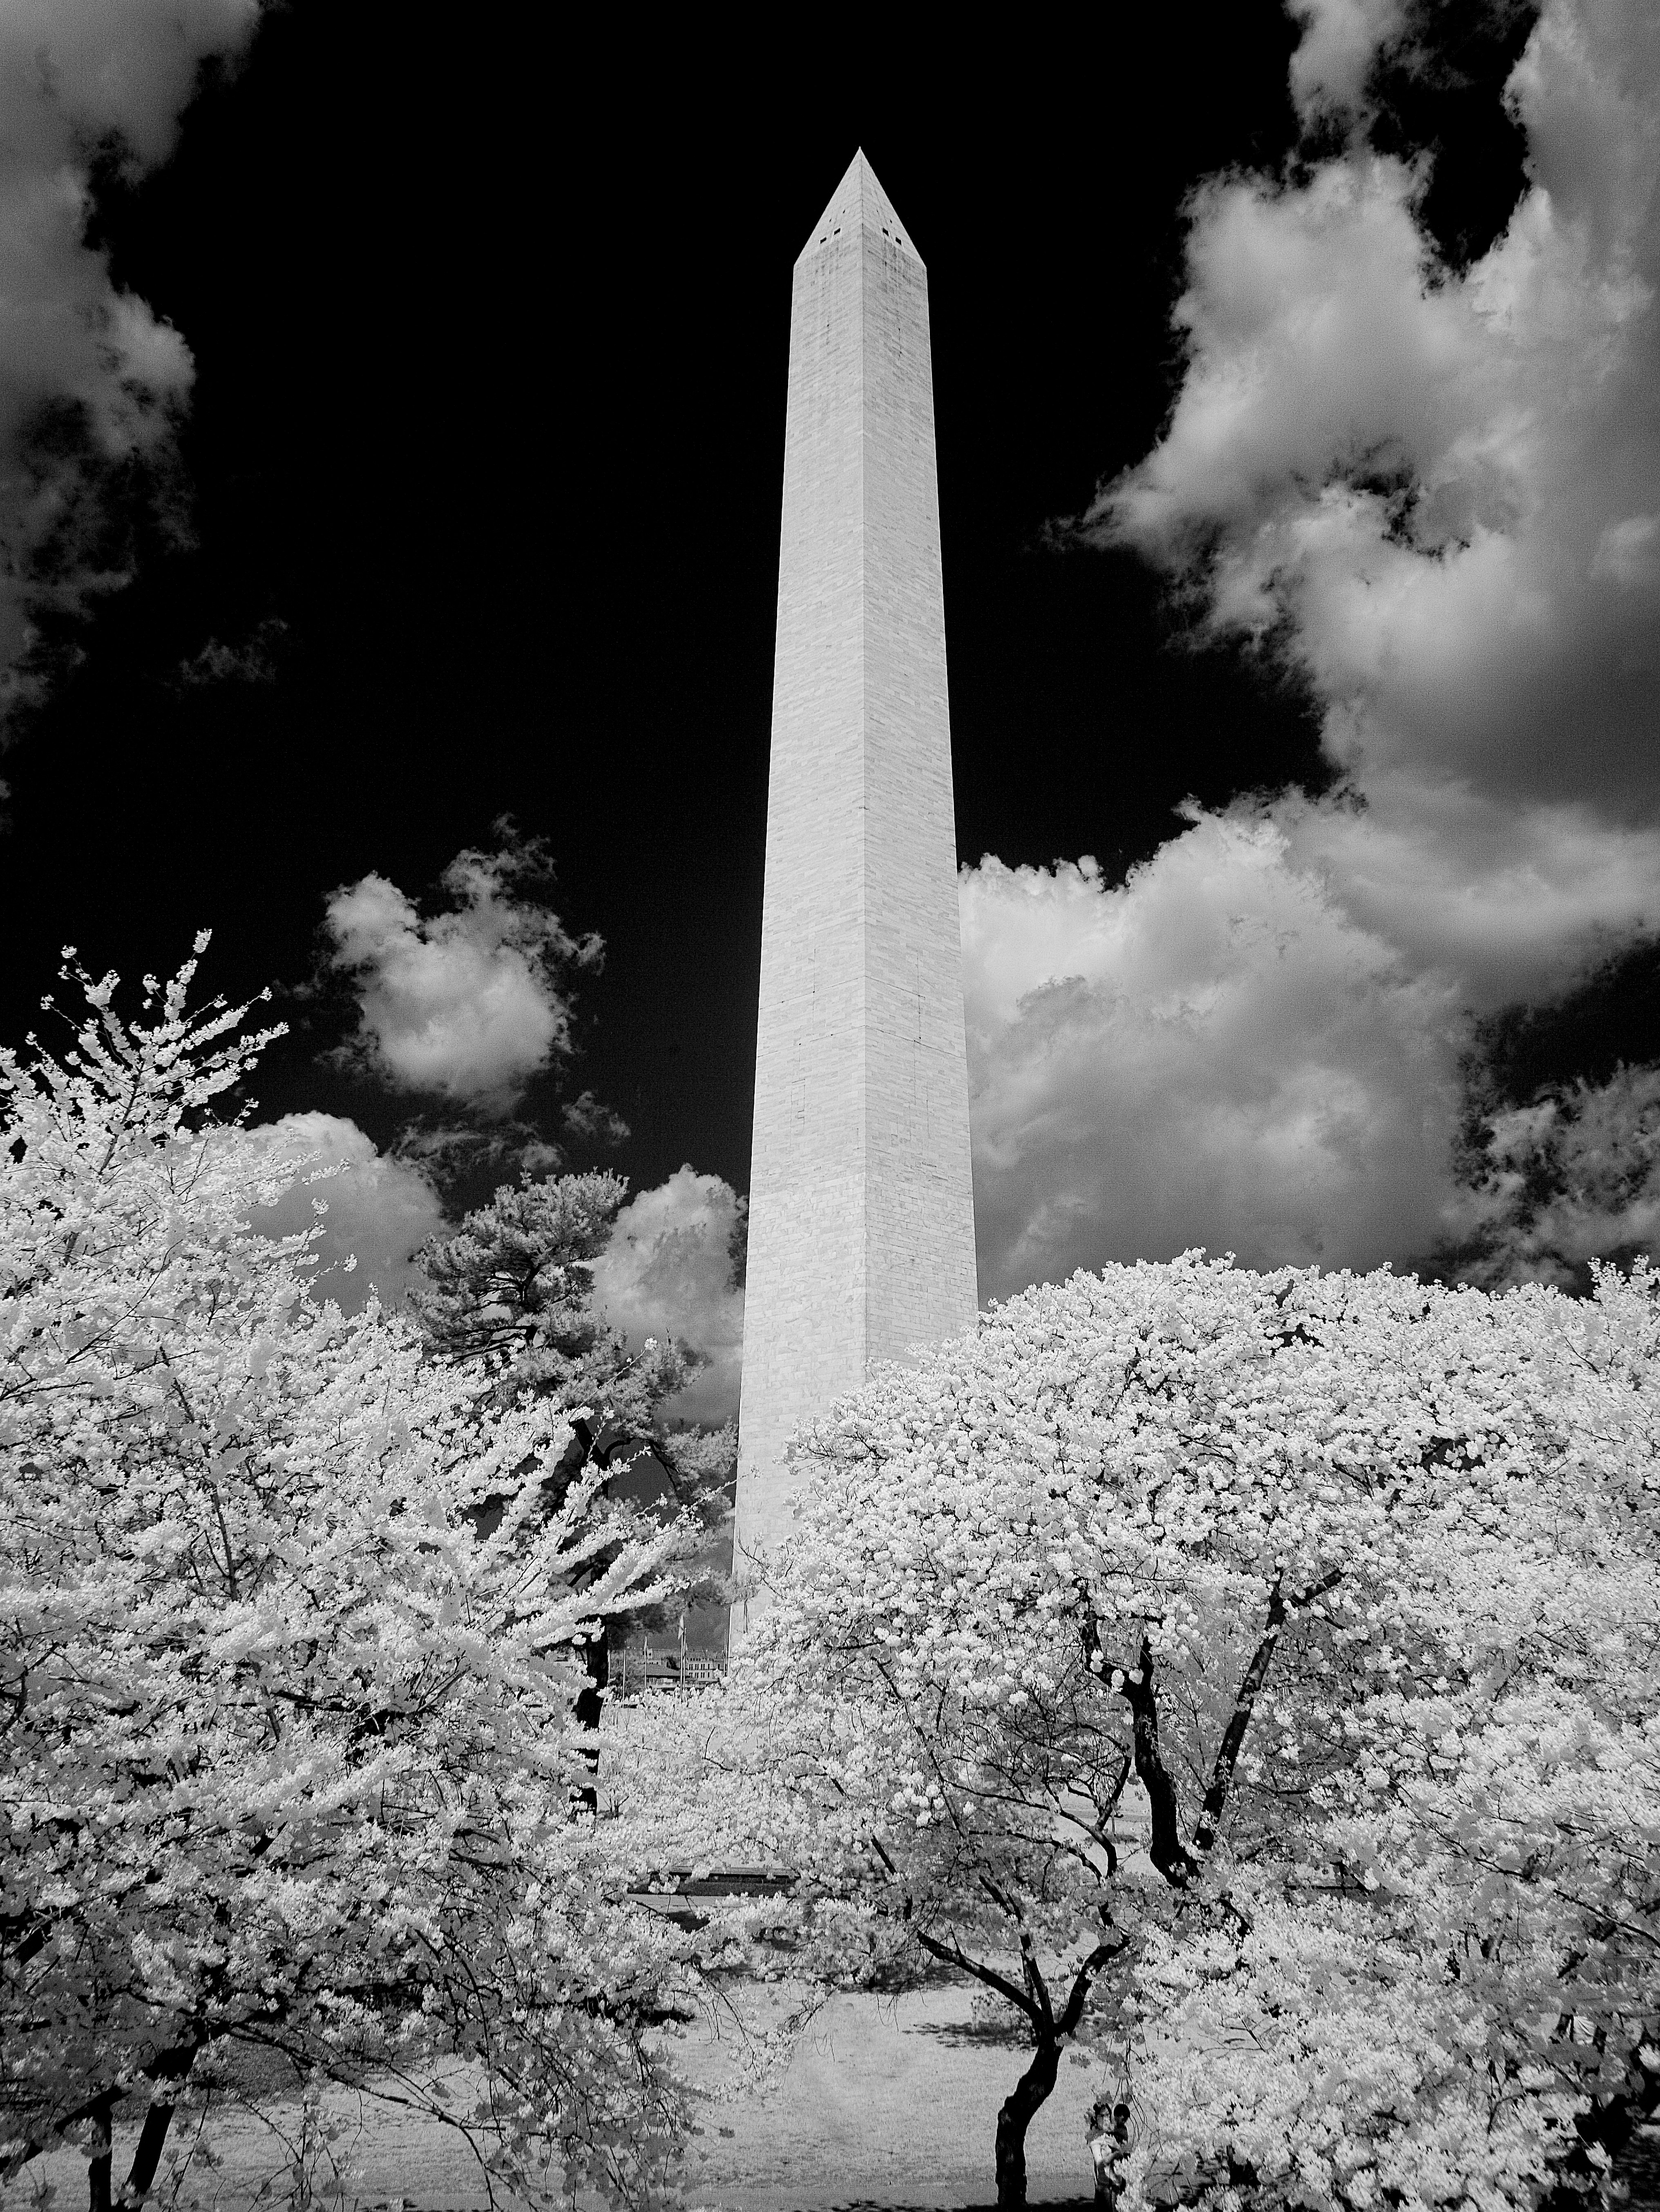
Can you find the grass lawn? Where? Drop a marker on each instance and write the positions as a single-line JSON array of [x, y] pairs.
[[885, 2101], [889, 2099]]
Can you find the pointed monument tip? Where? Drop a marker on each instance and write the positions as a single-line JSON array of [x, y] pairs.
[[859, 201]]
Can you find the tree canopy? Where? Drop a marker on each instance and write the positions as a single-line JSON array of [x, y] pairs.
[[509, 1299], [289, 1746], [1253, 1679]]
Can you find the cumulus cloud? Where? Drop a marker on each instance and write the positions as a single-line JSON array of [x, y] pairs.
[[1436, 493], [1340, 40], [669, 1270], [1572, 1176], [1439, 494], [1212, 1053], [253, 662], [379, 1209], [92, 382], [467, 1005]]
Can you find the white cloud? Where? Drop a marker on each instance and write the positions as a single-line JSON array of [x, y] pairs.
[[1437, 494], [467, 1005], [1629, 551], [253, 662], [1340, 39], [1212, 1053], [1574, 1176], [90, 378], [667, 1273], [379, 1209], [1503, 902], [1440, 486]]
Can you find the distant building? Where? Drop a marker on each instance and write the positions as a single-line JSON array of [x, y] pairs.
[[638, 1667]]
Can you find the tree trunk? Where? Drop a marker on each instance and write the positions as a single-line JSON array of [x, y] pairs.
[[1617, 2124], [1024, 2100], [147, 2156], [98, 2167], [590, 1703]]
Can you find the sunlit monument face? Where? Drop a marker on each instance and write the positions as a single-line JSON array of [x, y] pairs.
[[861, 1209]]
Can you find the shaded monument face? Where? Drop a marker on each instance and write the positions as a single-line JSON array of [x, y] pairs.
[[861, 1208]]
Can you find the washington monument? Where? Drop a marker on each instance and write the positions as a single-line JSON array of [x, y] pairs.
[[861, 1207]]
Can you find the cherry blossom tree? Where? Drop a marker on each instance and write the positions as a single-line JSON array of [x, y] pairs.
[[1444, 1980], [291, 1745], [1205, 1662]]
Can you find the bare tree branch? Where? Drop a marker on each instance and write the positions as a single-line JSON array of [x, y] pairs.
[[1227, 1755]]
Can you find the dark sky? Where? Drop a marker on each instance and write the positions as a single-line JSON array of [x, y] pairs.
[[490, 348]]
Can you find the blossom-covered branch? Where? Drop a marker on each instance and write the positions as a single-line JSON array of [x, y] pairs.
[[291, 1742]]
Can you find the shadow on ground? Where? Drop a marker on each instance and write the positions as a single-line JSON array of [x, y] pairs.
[[971, 2034]]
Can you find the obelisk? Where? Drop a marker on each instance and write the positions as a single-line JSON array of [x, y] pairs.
[[862, 1206]]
